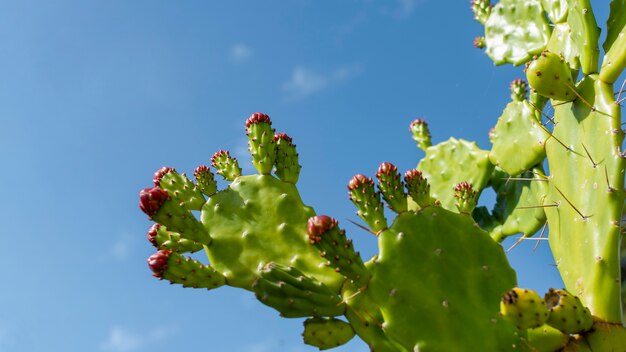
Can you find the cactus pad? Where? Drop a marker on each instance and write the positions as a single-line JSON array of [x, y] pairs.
[[452, 162], [326, 333], [556, 10], [515, 31]]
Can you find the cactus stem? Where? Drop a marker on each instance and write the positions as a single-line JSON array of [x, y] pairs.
[[584, 217], [590, 158]]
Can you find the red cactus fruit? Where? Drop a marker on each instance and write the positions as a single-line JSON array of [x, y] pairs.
[[158, 262], [318, 225], [151, 200], [417, 122], [386, 168], [359, 180], [282, 136]]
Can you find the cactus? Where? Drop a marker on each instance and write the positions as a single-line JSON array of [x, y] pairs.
[[441, 280]]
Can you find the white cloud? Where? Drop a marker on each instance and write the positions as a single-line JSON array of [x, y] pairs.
[[240, 53], [305, 82], [122, 340]]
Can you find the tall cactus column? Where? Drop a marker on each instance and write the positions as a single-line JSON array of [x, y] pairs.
[[587, 181]]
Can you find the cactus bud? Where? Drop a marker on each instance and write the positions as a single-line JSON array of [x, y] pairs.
[[466, 197], [317, 225], [391, 187], [226, 165], [261, 142], [205, 180], [367, 201], [481, 9], [151, 200], [160, 173], [152, 235], [479, 42], [550, 76], [418, 188], [519, 89], [287, 167], [158, 262], [524, 308], [421, 134], [567, 312]]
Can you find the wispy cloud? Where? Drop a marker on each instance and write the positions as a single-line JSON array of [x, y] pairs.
[[123, 340], [305, 81], [240, 53]]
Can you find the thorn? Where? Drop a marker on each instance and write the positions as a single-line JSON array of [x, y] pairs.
[[542, 113], [608, 184], [618, 100], [515, 244], [593, 108], [543, 230], [363, 227], [572, 205], [538, 206], [561, 143], [590, 158], [524, 179]]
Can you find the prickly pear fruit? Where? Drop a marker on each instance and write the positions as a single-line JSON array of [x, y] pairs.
[[168, 265], [524, 308], [466, 197], [226, 165], [179, 187], [205, 182], [294, 294], [421, 134], [567, 312], [546, 339], [367, 201], [261, 142], [151, 200], [326, 333], [391, 186], [287, 167], [324, 233], [550, 76], [519, 89]]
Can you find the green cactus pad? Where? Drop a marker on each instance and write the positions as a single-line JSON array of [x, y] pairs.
[[369, 206], [606, 337], [519, 202], [162, 238], [438, 280], [585, 34], [326, 333], [226, 165], [524, 308], [549, 75], [181, 270], [420, 133], [261, 142], [392, 187], [205, 180], [450, 163], [614, 60], [294, 294], [518, 139], [586, 183], [180, 188], [178, 219], [561, 44], [287, 167], [418, 188], [259, 219], [567, 313], [556, 10], [515, 31]]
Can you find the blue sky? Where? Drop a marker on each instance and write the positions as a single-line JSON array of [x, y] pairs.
[[97, 95]]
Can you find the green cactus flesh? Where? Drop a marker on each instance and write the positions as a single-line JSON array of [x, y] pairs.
[[294, 294], [614, 60], [437, 264], [524, 308], [518, 139], [518, 202], [556, 10], [259, 219], [587, 176], [546, 339], [162, 238], [179, 187], [561, 43], [449, 163], [326, 333], [585, 34], [515, 31]]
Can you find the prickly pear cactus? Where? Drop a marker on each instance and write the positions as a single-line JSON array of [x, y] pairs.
[[441, 280]]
